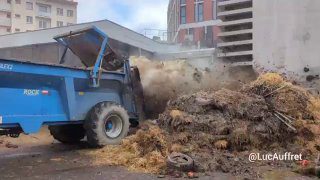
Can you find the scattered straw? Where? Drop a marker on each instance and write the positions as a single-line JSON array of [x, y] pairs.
[[146, 152]]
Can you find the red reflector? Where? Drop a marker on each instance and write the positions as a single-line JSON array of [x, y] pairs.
[[45, 92]]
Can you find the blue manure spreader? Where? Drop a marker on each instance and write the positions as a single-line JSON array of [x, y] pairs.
[[99, 101]]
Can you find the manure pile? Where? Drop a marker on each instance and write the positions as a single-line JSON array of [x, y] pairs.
[[219, 129]]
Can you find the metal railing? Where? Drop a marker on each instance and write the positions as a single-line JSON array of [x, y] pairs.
[[44, 14]]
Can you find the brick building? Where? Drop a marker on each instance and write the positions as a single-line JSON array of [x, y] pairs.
[[193, 23]]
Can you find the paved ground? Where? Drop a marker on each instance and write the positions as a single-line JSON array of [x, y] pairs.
[[40, 157]]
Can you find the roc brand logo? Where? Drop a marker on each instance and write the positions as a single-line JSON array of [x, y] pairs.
[[30, 92], [6, 66]]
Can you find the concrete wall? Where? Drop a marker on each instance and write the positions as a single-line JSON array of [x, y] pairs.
[[50, 53], [286, 36]]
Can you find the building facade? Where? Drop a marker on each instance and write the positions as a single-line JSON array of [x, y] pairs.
[[29, 15], [193, 23]]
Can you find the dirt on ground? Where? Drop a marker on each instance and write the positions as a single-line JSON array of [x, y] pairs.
[[219, 129]]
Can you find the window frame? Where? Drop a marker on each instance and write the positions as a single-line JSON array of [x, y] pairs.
[[28, 18], [48, 8], [70, 13], [43, 22], [28, 5], [214, 9], [59, 25], [183, 8], [198, 17], [60, 12]]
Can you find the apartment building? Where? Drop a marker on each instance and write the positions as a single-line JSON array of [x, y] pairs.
[[193, 22], [28, 15]]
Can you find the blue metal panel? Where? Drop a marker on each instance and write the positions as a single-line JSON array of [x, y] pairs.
[[70, 97], [35, 94], [30, 108], [22, 102], [53, 70]]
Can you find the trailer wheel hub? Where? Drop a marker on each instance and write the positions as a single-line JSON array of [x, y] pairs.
[[113, 126]]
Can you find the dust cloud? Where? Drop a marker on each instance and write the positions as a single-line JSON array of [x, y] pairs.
[[165, 81]]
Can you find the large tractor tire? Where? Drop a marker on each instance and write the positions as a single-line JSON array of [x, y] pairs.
[[68, 134], [107, 124]]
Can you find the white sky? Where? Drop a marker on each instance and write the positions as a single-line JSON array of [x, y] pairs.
[[134, 14]]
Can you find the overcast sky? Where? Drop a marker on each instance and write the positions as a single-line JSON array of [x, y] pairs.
[[134, 14]]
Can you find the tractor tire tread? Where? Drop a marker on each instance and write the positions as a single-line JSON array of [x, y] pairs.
[[93, 125]]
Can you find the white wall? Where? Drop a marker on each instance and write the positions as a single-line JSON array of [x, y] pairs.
[[20, 22], [287, 36]]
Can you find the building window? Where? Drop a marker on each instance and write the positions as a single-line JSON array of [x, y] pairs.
[[59, 23], [44, 24], [198, 10], [69, 24], [17, 15], [70, 13], [59, 11], [18, 1], [29, 5], [8, 15], [17, 30], [29, 20], [44, 8], [8, 30], [190, 31], [9, 1], [214, 9], [183, 12]]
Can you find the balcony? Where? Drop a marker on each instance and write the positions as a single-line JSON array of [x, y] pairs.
[[44, 14], [232, 2], [5, 22], [5, 7]]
